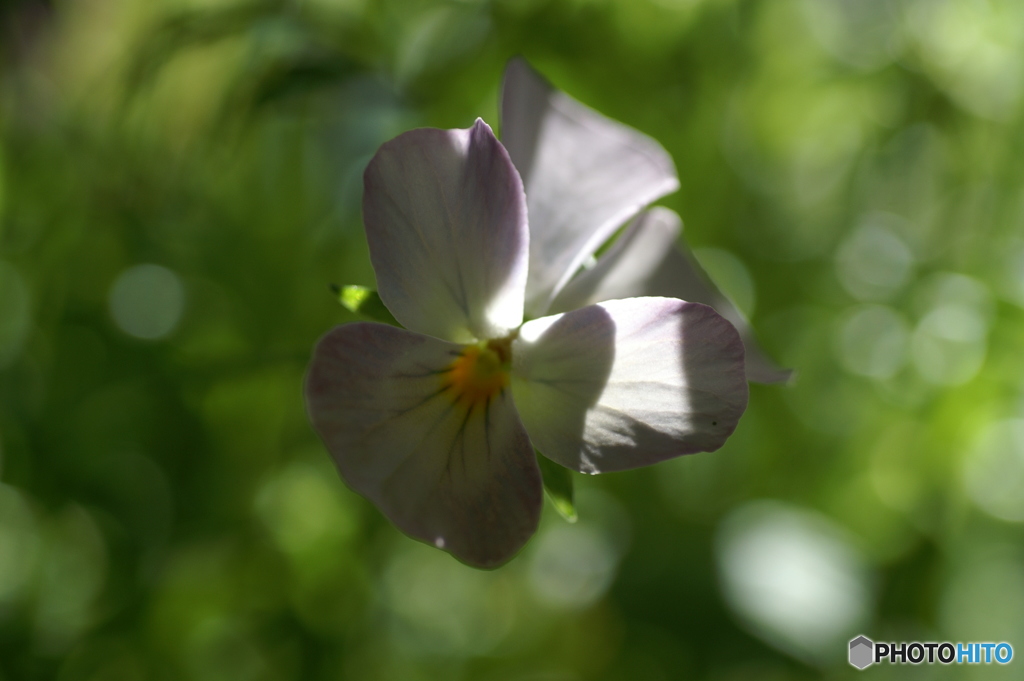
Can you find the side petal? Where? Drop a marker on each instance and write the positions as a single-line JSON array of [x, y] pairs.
[[648, 260], [445, 219], [628, 383], [463, 479], [584, 175]]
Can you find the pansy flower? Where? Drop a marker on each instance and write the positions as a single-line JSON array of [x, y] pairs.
[[507, 345]]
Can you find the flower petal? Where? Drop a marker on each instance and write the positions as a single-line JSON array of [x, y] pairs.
[[445, 220], [465, 480], [584, 176], [646, 261], [628, 383]]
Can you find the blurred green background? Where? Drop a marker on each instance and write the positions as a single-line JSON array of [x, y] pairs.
[[180, 183]]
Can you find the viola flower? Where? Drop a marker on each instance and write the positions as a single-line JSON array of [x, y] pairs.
[[437, 423]]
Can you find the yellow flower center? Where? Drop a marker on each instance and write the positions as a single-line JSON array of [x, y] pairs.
[[479, 373]]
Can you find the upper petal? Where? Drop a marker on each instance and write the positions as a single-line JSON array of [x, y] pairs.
[[627, 383], [463, 479], [445, 219], [584, 176], [650, 259]]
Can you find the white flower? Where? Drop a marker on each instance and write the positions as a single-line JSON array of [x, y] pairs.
[[437, 424]]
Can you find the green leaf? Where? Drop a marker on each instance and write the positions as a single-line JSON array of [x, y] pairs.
[[364, 302], [558, 485]]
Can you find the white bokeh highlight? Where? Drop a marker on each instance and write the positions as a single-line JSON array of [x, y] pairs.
[[873, 341], [864, 34], [971, 50], [793, 577], [573, 565], [873, 262], [439, 606], [994, 471], [950, 340], [147, 301]]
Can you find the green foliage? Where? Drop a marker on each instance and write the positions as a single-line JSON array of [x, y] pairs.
[[559, 488], [364, 302]]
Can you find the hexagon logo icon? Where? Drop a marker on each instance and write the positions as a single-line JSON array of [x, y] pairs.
[[862, 652]]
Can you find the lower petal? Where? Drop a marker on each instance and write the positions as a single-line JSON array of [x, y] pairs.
[[460, 476], [628, 383]]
